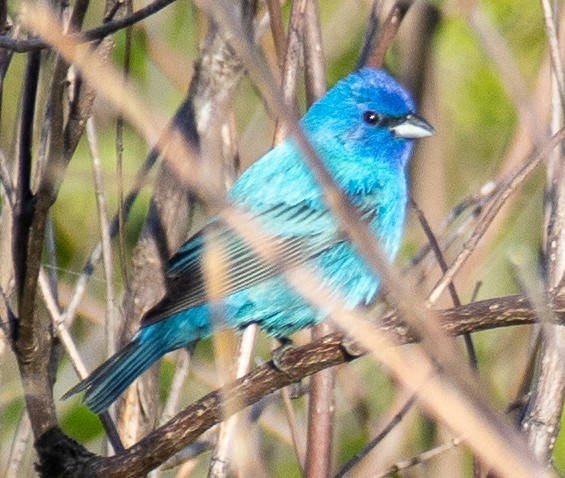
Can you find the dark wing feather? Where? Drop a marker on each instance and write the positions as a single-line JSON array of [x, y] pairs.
[[308, 232]]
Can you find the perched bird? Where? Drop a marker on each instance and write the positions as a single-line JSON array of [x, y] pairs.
[[362, 130]]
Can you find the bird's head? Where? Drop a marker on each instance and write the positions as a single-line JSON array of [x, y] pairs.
[[370, 113]]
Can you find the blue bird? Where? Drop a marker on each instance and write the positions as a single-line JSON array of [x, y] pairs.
[[363, 130]]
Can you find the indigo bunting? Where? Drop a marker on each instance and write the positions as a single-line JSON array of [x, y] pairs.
[[363, 130]]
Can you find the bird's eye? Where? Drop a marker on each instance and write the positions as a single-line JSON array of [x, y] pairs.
[[372, 117]]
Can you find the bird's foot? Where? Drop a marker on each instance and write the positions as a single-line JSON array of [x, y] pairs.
[[298, 389], [352, 348], [278, 354], [190, 348]]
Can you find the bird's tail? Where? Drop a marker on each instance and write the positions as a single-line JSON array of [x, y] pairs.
[[109, 380]]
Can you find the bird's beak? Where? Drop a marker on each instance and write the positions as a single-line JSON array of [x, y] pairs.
[[411, 126]]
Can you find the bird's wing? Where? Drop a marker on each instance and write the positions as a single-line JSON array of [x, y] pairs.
[[307, 231]]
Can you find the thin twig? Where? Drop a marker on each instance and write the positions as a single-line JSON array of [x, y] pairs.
[[421, 458], [6, 181], [189, 453], [486, 218], [296, 436], [358, 457], [321, 404], [223, 451], [543, 407], [470, 347], [277, 30], [20, 443], [51, 252], [314, 62], [98, 33], [119, 156], [42, 150], [554, 50], [111, 326], [73, 353], [372, 33], [96, 254], [388, 32], [474, 204], [291, 62], [163, 232], [451, 287], [181, 372], [62, 331], [471, 353], [7, 323]]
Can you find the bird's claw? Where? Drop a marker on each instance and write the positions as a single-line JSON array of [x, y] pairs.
[[295, 390], [278, 354]]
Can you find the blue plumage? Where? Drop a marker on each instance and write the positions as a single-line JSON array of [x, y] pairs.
[[363, 131]]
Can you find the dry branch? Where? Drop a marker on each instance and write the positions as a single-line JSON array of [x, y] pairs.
[[58, 452], [34, 44]]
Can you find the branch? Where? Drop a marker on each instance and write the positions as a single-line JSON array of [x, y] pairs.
[[291, 64], [297, 363], [321, 402], [371, 35], [98, 33], [358, 457], [542, 417], [33, 340], [34, 347], [388, 32], [216, 76], [23, 198], [277, 30]]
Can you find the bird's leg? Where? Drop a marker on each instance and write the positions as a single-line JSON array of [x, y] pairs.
[[277, 354], [285, 342], [298, 389], [190, 348]]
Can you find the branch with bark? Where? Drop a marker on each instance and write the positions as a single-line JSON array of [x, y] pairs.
[[61, 456]]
